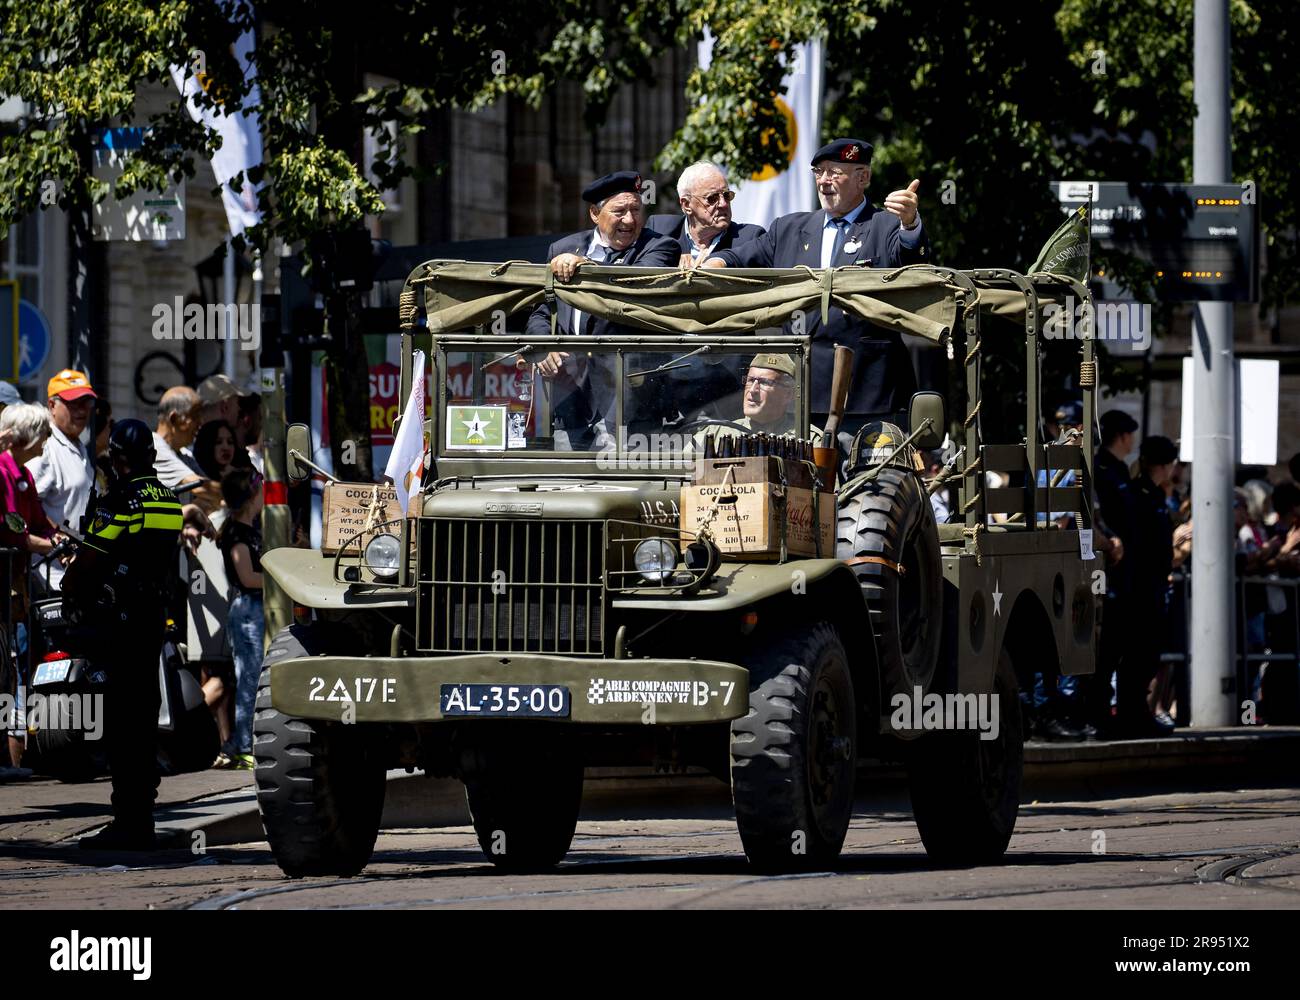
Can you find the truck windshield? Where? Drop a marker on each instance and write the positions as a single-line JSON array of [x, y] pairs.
[[603, 399]]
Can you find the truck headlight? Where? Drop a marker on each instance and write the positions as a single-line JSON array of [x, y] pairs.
[[381, 556], [655, 559]]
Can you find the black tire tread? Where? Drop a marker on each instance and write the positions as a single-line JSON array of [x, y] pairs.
[[767, 757], [956, 824], [528, 788], [320, 789]]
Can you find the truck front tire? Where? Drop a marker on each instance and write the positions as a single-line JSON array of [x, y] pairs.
[[794, 755], [320, 785]]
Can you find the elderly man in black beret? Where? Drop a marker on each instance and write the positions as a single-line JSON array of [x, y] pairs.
[[618, 239], [849, 230]]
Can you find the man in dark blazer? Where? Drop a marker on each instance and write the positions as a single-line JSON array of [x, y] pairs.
[[849, 230], [584, 389], [705, 225]]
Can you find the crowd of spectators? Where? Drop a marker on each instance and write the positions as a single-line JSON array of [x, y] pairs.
[[207, 439]]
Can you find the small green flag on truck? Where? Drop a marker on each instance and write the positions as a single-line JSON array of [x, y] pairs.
[[1068, 252]]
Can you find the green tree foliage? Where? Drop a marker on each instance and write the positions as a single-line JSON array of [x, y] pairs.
[[988, 103], [985, 103]]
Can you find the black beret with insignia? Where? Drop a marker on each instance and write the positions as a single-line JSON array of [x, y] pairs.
[[619, 182], [852, 151]]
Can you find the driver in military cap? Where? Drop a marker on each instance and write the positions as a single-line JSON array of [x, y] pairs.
[[767, 401]]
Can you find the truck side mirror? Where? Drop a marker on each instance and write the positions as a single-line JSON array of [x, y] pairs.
[[297, 439], [927, 406]]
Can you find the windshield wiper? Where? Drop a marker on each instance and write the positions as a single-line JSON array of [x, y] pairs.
[[520, 351], [670, 365]]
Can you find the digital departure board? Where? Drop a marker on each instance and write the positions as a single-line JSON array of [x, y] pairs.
[[1199, 240]]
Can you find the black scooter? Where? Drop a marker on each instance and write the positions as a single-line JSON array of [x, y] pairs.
[[65, 702]]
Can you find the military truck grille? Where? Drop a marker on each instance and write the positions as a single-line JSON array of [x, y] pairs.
[[510, 586]]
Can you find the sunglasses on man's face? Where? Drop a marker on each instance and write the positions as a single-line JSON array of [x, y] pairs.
[[715, 198]]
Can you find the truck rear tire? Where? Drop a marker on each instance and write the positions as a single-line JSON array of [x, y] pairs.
[[966, 791], [66, 756], [524, 791], [320, 785], [889, 525], [794, 755]]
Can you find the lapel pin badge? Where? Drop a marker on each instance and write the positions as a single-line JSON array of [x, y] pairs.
[[806, 245], [853, 246]]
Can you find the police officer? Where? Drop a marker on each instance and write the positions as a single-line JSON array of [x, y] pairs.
[[116, 591], [1151, 552], [1114, 516]]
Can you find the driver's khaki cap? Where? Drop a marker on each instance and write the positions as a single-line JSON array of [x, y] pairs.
[[776, 362]]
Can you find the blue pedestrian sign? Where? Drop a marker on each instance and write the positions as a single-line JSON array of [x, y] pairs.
[[34, 341]]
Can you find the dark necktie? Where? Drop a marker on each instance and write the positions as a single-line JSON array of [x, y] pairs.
[[841, 233]]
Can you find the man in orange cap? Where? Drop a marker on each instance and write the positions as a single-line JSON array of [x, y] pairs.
[[65, 472]]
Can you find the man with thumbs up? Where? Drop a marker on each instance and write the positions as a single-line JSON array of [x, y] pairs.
[[848, 231]]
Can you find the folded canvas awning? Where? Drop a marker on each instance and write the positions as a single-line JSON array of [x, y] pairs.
[[920, 300]]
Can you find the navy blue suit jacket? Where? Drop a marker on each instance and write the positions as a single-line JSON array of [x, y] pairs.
[[883, 379], [649, 250], [674, 226], [585, 396]]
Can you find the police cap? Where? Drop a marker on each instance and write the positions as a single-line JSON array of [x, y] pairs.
[[1157, 450], [619, 182], [851, 151], [1115, 422], [132, 440]]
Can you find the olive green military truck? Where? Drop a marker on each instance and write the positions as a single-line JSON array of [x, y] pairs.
[[580, 583]]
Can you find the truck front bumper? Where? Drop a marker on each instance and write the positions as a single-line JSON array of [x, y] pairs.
[[410, 689]]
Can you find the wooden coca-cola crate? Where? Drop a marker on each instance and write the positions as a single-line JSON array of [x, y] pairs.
[[748, 509], [346, 510]]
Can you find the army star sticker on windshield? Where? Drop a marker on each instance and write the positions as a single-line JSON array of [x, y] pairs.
[[476, 425]]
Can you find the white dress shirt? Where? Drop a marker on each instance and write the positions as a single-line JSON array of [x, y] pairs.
[[910, 237], [598, 252]]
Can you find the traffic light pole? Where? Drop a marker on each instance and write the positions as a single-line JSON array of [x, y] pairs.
[[1214, 700]]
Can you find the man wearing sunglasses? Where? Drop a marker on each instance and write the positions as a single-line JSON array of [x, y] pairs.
[[767, 400], [705, 225], [849, 230]]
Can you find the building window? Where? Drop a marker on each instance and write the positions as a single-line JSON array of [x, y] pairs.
[[20, 256]]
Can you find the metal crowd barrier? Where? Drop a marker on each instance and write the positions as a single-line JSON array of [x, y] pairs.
[[1263, 637]]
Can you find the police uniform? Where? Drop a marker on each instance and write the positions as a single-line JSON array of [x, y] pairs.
[[134, 532], [1115, 511]]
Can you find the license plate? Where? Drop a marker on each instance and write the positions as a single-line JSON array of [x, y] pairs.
[[514, 700], [54, 672]]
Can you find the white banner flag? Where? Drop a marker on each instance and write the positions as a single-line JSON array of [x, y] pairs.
[[406, 460], [241, 135], [786, 185]]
